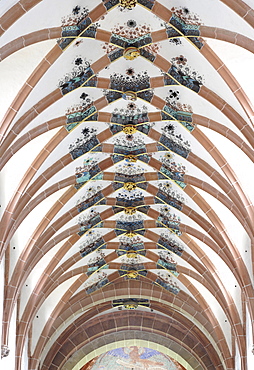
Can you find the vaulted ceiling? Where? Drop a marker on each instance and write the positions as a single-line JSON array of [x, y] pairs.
[[127, 181]]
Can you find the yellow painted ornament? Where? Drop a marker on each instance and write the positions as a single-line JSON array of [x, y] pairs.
[[129, 95], [131, 254], [128, 4], [129, 130], [129, 186], [131, 53], [130, 158], [131, 306], [168, 155], [130, 210], [130, 234], [132, 274]]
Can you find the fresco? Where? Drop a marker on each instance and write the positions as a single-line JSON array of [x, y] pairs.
[[135, 358]]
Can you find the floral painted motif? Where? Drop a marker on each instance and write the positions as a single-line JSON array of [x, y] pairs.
[[97, 281], [129, 36], [171, 169], [84, 143], [90, 170], [168, 219], [180, 62], [75, 17], [187, 16], [167, 264], [187, 23], [73, 25], [96, 262], [135, 82], [79, 75], [165, 281], [91, 242], [173, 141], [80, 112], [170, 243]]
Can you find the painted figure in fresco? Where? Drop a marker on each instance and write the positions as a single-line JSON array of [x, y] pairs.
[[134, 358], [137, 362]]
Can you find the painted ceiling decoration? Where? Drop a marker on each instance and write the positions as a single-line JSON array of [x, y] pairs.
[[134, 357], [126, 173]]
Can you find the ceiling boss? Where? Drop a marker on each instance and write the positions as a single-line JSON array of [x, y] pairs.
[[132, 274], [130, 210], [132, 254], [131, 306], [130, 234], [131, 53], [129, 130], [129, 95], [128, 4], [130, 158], [129, 186]]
